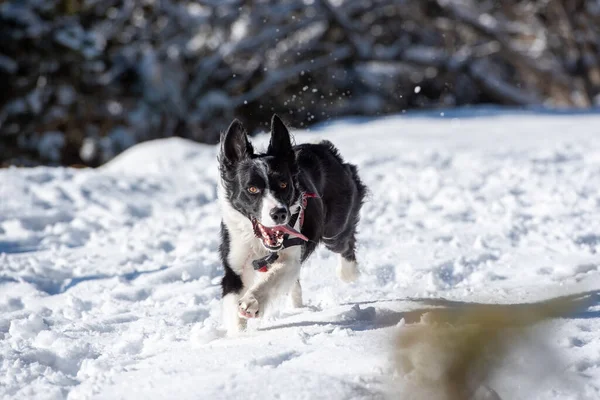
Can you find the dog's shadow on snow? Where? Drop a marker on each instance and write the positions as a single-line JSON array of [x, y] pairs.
[[365, 316]]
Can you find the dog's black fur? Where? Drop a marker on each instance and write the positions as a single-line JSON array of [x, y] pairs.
[[331, 218]]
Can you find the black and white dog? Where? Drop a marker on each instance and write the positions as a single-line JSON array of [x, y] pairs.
[[276, 208]]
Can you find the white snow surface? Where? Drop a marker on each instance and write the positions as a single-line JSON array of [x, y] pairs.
[[109, 278]]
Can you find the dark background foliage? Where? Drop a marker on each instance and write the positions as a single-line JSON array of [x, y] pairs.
[[81, 80]]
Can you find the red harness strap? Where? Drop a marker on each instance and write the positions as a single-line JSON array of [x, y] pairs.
[[305, 197]]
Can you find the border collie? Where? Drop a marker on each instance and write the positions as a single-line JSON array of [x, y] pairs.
[[276, 208]]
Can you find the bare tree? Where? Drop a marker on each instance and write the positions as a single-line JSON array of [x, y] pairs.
[[84, 79]]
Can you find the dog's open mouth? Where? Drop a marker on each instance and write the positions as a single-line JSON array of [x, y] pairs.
[[273, 236]]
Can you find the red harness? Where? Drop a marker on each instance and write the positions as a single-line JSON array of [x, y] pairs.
[[262, 265], [305, 197]]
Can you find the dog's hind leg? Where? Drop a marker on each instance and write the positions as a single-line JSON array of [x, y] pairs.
[[344, 244], [347, 270], [296, 294]]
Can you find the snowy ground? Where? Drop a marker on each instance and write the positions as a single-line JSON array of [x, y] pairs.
[[109, 277]]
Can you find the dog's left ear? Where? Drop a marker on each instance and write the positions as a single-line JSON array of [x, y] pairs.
[[280, 143]]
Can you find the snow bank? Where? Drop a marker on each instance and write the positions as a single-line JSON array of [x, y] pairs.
[[109, 281]]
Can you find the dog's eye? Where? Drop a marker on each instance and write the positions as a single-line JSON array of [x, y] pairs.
[[283, 185], [253, 189]]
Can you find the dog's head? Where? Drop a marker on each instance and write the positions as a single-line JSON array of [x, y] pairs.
[[262, 187]]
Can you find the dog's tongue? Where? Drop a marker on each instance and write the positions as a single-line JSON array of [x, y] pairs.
[[292, 231]]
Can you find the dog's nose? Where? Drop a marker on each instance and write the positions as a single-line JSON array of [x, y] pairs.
[[279, 215]]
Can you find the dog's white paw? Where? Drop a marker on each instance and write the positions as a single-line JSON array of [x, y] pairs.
[[248, 307], [231, 320], [347, 271], [237, 327]]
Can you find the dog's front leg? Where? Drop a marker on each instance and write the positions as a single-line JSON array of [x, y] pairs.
[[296, 294], [276, 281], [232, 322]]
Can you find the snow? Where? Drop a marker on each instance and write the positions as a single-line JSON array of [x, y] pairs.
[[109, 281]]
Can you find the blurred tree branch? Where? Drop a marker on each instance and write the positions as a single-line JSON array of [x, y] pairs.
[[94, 77]]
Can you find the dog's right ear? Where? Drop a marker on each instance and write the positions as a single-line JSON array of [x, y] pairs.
[[234, 143]]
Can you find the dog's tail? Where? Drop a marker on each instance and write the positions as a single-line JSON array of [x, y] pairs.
[[361, 188], [352, 170]]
